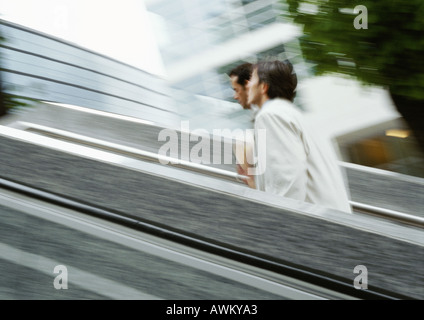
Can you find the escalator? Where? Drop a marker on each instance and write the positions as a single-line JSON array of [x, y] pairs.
[[300, 251]]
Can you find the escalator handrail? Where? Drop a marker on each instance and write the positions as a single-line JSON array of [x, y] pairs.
[[235, 177]]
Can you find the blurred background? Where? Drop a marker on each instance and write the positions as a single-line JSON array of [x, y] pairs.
[[347, 76], [110, 75]]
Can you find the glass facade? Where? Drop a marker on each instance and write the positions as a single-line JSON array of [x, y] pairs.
[[45, 68], [201, 41]]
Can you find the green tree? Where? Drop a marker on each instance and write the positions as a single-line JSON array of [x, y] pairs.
[[379, 43]]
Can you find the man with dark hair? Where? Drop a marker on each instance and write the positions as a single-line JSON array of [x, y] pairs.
[[239, 77], [291, 164]]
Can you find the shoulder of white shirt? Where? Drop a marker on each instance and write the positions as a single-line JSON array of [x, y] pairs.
[[274, 106]]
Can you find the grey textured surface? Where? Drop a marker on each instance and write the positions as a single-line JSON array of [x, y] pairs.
[[120, 131], [391, 191], [283, 235], [78, 250]]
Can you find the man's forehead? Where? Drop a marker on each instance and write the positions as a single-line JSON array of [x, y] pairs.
[[235, 84]]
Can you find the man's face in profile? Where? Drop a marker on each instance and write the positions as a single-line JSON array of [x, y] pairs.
[[240, 92]]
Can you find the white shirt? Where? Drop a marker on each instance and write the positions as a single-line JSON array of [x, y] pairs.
[[255, 109], [294, 166]]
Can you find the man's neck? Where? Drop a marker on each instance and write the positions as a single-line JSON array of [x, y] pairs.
[[263, 101]]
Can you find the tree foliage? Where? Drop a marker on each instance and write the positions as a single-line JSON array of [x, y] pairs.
[[388, 53]]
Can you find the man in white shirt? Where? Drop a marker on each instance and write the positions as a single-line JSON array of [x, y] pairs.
[[293, 165]]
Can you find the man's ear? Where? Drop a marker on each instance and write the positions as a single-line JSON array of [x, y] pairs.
[[265, 87]]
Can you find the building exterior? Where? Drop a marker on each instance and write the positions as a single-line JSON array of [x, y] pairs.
[[42, 67], [201, 41]]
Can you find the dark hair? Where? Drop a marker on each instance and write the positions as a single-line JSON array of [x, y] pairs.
[[280, 77], [243, 72]]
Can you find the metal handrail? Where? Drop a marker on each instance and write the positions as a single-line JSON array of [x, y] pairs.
[[146, 155], [381, 172], [184, 164], [387, 213]]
